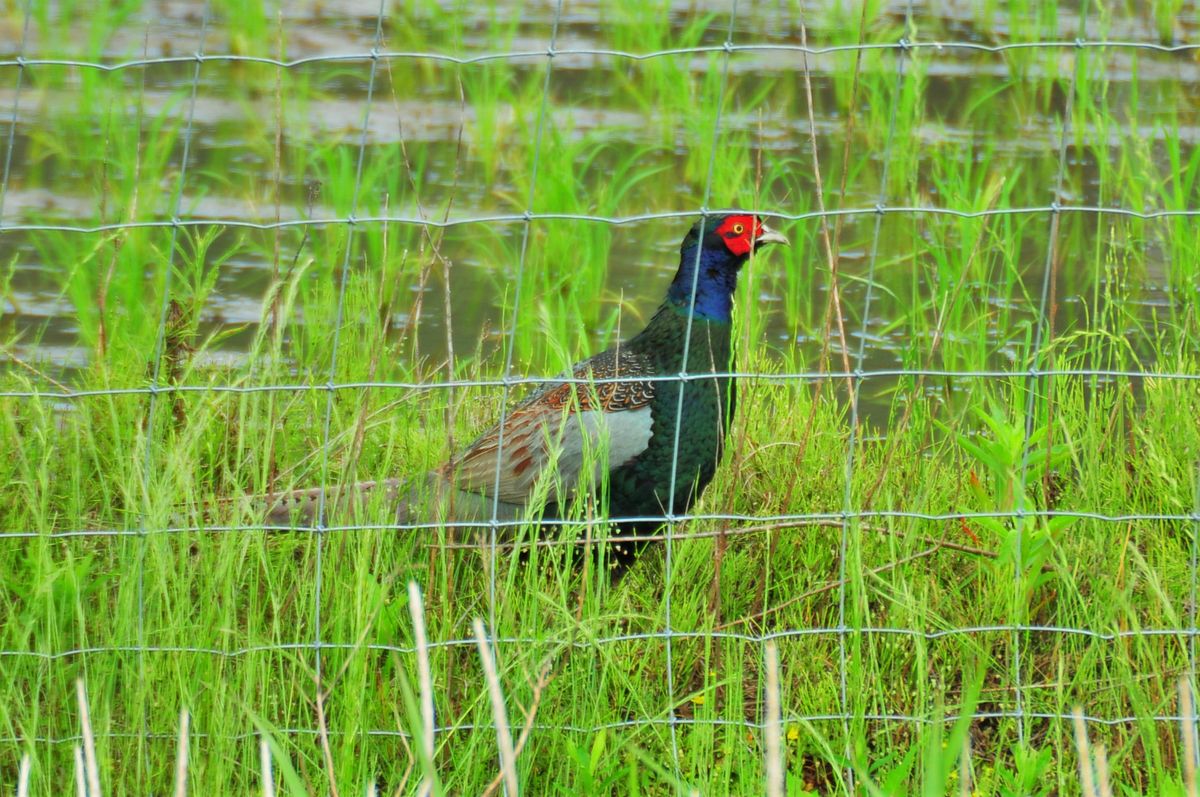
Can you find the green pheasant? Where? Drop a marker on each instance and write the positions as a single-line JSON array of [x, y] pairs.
[[610, 421]]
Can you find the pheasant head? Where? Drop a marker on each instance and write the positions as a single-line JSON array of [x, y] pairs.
[[719, 247]]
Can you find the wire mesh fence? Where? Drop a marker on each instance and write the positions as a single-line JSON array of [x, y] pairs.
[[849, 626]]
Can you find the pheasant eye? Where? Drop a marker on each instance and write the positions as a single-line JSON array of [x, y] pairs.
[[738, 229]]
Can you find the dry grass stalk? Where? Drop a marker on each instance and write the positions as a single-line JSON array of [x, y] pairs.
[[834, 302], [89, 742], [773, 726], [530, 715], [181, 762], [827, 587], [508, 756], [80, 777], [12, 357], [323, 735], [757, 528], [23, 776], [1187, 719], [1087, 782], [417, 608], [1102, 771], [964, 767], [264, 762]]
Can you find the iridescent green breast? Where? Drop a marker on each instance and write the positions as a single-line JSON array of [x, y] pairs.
[[642, 487]]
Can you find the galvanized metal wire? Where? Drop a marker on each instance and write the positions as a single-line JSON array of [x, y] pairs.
[[522, 218], [592, 730], [493, 526], [327, 419], [534, 381], [677, 432], [783, 520], [1031, 381], [855, 385], [552, 51], [791, 633], [848, 518], [160, 341]]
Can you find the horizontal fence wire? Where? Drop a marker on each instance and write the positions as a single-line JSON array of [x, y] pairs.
[[749, 725], [523, 218], [558, 52], [780, 521], [649, 636], [533, 381]]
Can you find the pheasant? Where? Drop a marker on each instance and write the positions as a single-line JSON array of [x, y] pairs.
[[609, 426]]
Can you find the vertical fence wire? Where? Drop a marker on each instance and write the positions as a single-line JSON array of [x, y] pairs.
[[19, 83], [668, 555], [1032, 376], [151, 432], [856, 383], [1194, 567], [848, 520], [493, 526], [510, 348], [16, 108], [339, 316]]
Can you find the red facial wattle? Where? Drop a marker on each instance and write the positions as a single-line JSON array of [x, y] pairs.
[[740, 233]]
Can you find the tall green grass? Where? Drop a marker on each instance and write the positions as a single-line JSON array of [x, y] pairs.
[[180, 604]]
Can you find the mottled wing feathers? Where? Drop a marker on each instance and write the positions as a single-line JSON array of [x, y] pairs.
[[604, 396], [558, 424]]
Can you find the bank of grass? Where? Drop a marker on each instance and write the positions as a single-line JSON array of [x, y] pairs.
[[947, 589], [227, 614]]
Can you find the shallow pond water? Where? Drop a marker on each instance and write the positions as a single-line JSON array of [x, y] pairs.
[[469, 133]]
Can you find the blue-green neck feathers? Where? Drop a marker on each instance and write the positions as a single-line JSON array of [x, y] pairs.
[[718, 270]]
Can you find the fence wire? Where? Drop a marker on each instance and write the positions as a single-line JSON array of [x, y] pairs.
[[552, 52], [522, 218], [848, 521], [855, 384]]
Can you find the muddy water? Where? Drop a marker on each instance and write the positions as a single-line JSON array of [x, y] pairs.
[[232, 174]]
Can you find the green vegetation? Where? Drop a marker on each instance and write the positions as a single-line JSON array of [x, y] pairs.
[[181, 602]]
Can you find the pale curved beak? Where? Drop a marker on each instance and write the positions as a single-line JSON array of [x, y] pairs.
[[769, 236]]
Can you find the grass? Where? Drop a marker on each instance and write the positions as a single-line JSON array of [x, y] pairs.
[[977, 563]]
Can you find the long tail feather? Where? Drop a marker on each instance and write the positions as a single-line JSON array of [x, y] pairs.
[[431, 500], [302, 505]]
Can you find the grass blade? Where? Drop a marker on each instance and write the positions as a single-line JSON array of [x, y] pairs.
[[23, 776], [416, 607], [773, 727], [80, 778], [89, 742], [181, 762], [1102, 771], [264, 761], [1087, 782], [508, 759], [1187, 719]]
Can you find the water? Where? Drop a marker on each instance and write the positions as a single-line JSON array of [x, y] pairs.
[[998, 110]]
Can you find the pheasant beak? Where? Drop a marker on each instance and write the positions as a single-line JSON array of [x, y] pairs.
[[768, 236]]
